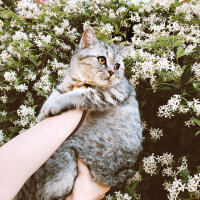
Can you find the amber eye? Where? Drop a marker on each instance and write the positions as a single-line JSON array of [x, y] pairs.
[[102, 60], [117, 66]]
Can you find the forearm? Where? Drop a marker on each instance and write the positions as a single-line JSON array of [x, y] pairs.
[[24, 154]]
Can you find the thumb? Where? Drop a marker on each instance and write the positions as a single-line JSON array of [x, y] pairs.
[[82, 168]]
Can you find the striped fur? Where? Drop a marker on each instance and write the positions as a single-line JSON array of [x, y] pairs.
[[109, 139]]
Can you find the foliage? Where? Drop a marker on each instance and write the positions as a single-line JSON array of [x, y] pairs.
[[164, 66]]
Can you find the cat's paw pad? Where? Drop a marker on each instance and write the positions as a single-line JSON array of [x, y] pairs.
[[51, 108]]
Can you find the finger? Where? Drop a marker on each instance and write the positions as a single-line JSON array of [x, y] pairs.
[[103, 187], [101, 197], [82, 168]]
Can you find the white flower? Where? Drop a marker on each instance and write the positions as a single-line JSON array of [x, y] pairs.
[[58, 31], [19, 35], [65, 24], [189, 49], [168, 172], [184, 165], [1, 24], [44, 85], [144, 125], [28, 10], [30, 75], [4, 98], [150, 164], [196, 69], [135, 18], [193, 184], [195, 106], [172, 105], [30, 100], [111, 14], [174, 102], [4, 56], [11, 49], [155, 133], [121, 10], [167, 185], [121, 196], [107, 28], [38, 43], [176, 187], [46, 39], [109, 197], [10, 76], [3, 113], [21, 87], [165, 159], [25, 116], [24, 111], [190, 122], [136, 178]]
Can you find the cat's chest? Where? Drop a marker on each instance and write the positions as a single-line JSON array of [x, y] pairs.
[[103, 122]]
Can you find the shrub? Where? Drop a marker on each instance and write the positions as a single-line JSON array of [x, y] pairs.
[[37, 41]]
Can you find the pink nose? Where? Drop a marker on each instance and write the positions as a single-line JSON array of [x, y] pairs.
[[111, 73]]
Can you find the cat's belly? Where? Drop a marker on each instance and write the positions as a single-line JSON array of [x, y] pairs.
[[108, 143]]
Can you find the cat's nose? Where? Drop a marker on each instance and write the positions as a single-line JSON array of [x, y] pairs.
[[111, 73]]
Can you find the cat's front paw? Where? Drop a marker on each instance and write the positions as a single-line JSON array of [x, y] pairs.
[[51, 108], [40, 117]]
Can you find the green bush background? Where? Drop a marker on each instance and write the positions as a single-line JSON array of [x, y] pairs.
[[27, 58]]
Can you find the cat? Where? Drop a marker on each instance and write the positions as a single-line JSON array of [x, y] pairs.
[[109, 140]]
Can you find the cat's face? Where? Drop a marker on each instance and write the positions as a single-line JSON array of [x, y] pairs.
[[97, 63]]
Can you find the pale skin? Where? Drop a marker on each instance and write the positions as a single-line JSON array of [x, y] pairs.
[[26, 153]]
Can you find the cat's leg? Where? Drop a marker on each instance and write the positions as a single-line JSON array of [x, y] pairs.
[[85, 99], [67, 85], [61, 171], [54, 94], [119, 177], [54, 180]]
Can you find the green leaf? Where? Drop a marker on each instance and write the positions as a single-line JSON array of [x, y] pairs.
[[196, 86], [186, 76], [197, 133], [39, 63], [165, 88], [180, 52], [198, 169], [197, 121], [185, 93], [184, 67], [178, 43], [184, 175]]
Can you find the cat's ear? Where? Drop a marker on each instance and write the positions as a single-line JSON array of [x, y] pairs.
[[124, 50], [88, 39]]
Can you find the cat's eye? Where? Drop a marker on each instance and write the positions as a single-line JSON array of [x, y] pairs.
[[117, 66], [102, 60]]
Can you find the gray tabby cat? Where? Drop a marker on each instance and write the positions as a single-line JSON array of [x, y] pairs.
[[109, 139]]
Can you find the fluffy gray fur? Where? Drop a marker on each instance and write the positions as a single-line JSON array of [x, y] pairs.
[[109, 139]]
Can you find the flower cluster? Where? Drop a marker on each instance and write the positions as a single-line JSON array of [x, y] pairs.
[[26, 116], [120, 196], [156, 133]]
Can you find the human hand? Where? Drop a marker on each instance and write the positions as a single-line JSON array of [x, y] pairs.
[[85, 188]]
